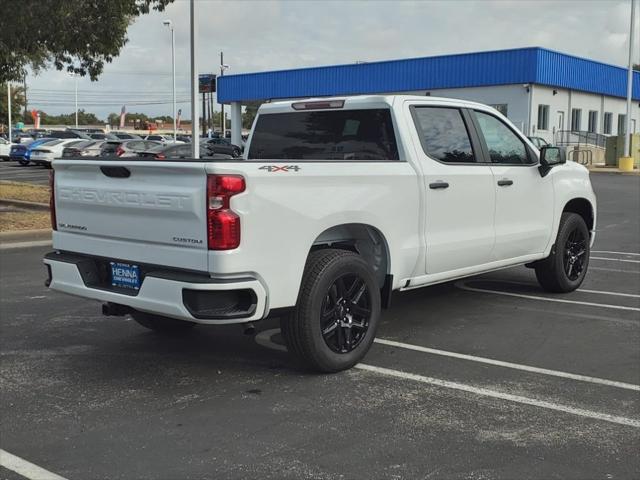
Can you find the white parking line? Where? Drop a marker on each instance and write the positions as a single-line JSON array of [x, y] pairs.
[[635, 272], [614, 259], [601, 292], [515, 366], [616, 253], [26, 469], [502, 396], [463, 286]]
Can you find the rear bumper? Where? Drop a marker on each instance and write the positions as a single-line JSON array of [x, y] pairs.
[[183, 295]]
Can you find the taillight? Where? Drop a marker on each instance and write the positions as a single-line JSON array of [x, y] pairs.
[[52, 200], [159, 156], [119, 150], [223, 224]]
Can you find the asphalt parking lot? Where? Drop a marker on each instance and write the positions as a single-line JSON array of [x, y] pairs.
[[14, 172], [486, 378]]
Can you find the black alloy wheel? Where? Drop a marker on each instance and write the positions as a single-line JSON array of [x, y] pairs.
[[575, 251], [346, 313]]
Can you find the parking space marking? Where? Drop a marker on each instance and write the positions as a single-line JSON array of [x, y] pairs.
[[601, 292], [614, 259], [463, 286], [635, 272], [584, 290], [616, 253], [25, 468], [515, 366], [630, 422]]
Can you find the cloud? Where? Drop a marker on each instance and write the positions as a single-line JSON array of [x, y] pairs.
[[270, 35]]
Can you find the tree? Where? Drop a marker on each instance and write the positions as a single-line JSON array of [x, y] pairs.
[[84, 118], [76, 35], [17, 103], [249, 114]]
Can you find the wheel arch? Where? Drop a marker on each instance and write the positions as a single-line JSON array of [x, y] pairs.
[[364, 239], [584, 208]]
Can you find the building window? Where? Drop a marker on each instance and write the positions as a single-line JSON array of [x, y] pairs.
[[622, 124], [543, 117], [608, 120], [593, 121], [576, 113], [501, 107]]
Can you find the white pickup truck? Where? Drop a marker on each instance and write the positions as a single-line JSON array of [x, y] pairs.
[[336, 203]]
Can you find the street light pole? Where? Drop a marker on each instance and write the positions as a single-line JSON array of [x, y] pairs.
[[222, 122], [627, 147], [195, 128], [76, 77], [169, 24], [9, 105]]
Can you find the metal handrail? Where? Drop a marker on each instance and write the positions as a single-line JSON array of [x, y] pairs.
[[580, 137], [585, 157]]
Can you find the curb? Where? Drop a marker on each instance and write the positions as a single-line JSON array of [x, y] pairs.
[[19, 236], [612, 170], [23, 204]]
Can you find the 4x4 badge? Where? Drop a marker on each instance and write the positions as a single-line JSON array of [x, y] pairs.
[[280, 168]]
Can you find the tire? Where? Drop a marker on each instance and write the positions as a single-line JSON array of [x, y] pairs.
[[236, 152], [564, 270], [24, 163], [164, 325], [335, 319]]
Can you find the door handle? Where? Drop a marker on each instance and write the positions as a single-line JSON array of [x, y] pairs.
[[505, 182], [437, 185]]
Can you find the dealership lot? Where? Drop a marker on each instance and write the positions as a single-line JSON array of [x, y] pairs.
[[14, 172], [484, 378]]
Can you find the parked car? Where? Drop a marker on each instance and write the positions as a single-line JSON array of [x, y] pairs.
[[44, 154], [163, 138], [87, 148], [126, 136], [5, 148], [126, 148], [22, 137], [220, 145], [170, 152], [68, 134], [340, 202], [21, 152], [101, 136], [539, 142]]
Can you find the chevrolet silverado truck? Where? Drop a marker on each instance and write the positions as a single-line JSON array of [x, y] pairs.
[[336, 203]]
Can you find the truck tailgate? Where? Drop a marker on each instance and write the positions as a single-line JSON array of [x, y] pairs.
[[149, 212]]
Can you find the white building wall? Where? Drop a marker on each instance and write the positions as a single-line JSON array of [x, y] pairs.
[[561, 104], [514, 96]]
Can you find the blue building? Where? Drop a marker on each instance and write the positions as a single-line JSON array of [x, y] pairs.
[[544, 92]]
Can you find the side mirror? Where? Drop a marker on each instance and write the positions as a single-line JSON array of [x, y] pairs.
[[551, 157]]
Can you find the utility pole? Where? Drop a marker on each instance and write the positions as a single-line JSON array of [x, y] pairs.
[[9, 107], [195, 141], [76, 78], [626, 161], [26, 109], [169, 23], [209, 112], [627, 152], [204, 115], [222, 122]]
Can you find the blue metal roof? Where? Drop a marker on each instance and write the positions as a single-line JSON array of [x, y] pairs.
[[501, 67]]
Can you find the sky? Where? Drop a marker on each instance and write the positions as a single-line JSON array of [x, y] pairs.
[[280, 34]]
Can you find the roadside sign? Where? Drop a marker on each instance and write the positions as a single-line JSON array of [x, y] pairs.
[[207, 83]]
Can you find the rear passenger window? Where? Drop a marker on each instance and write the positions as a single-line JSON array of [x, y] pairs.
[[503, 144], [443, 134], [325, 135]]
